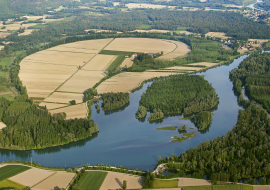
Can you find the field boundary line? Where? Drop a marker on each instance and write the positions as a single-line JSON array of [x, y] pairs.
[[44, 179], [115, 172]]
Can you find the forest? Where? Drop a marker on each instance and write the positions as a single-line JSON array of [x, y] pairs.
[[202, 120], [183, 94], [32, 127], [254, 75], [114, 100], [242, 153]]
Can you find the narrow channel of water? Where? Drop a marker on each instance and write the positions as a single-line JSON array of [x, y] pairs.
[[124, 140], [252, 6]]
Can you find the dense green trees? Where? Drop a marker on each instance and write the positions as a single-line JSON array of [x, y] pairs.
[[242, 153], [254, 74], [180, 94], [156, 114], [33, 127], [202, 120], [89, 94], [141, 113], [114, 100]]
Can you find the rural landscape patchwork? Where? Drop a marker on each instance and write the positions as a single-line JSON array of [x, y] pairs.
[[135, 94]]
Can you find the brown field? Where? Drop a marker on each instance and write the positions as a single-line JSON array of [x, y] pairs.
[[59, 179], [207, 64], [26, 32], [2, 125], [192, 182], [115, 180], [144, 5], [31, 177], [127, 62], [16, 26], [141, 45], [242, 50], [2, 47], [216, 34], [261, 187], [260, 42], [59, 97], [125, 82], [76, 111], [3, 34], [184, 68], [181, 50], [81, 81], [52, 105], [100, 62]]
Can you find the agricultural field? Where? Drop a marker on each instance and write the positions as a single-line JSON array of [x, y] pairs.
[[165, 183], [11, 170], [115, 180], [2, 47], [206, 64], [4, 34], [181, 50], [152, 31], [62, 73], [76, 111], [93, 179], [59, 179], [64, 98], [7, 184], [261, 187], [182, 182], [31, 177], [260, 42], [128, 62], [216, 34], [144, 5], [125, 82], [141, 45], [2, 125]]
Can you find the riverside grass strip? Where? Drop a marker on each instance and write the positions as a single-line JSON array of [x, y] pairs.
[[93, 179], [11, 170], [116, 63]]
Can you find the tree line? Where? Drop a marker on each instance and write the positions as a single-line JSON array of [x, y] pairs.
[[254, 75], [32, 127], [114, 100]]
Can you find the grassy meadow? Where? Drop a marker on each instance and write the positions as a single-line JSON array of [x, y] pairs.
[[11, 170], [91, 180]]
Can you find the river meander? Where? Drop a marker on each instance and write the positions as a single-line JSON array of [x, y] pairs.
[[124, 140]]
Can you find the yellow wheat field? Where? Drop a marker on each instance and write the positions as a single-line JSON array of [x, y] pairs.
[[31, 177], [144, 5], [50, 106], [115, 180], [180, 50], [141, 45], [99, 62], [216, 34], [59, 179], [76, 111], [60, 97], [125, 82]]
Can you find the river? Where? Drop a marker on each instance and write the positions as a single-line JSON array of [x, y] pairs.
[[124, 140], [252, 6]]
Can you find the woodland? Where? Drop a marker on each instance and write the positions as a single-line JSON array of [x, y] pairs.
[[183, 94], [114, 100]]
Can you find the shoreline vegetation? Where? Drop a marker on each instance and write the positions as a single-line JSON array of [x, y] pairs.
[[171, 128], [113, 101]]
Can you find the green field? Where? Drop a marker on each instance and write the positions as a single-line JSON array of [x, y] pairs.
[[109, 52], [220, 187], [165, 183], [11, 170], [6, 61], [172, 128], [91, 180], [116, 63], [7, 184]]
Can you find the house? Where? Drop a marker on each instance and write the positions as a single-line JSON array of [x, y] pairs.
[[135, 55]]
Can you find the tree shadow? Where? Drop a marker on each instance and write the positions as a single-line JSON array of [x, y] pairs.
[[119, 182]]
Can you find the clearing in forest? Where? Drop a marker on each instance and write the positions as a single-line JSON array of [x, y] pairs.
[[144, 5], [216, 34], [115, 180], [2, 125]]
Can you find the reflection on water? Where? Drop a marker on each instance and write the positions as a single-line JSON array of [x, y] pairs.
[[109, 112]]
